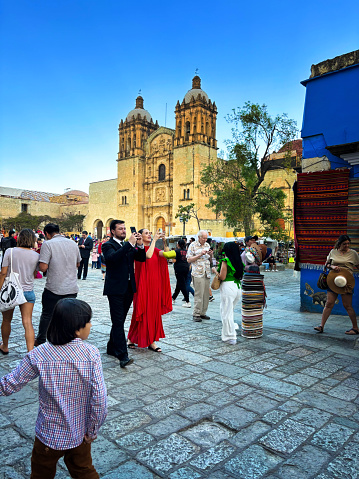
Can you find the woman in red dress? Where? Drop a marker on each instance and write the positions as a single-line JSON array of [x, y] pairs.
[[153, 296]]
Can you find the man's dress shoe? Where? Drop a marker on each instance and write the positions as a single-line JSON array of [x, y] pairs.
[[125, 362]]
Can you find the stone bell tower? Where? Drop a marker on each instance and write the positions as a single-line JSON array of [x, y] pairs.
[[133, 134], [196, 117], [195, 145], [135, 130]]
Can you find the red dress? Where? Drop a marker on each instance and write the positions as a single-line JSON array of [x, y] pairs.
[[152, 299]]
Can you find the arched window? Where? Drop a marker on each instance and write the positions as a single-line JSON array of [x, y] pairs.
[[179, 129], [184, 194], [194, 125], [134, 141], [188, 194], [188, 130], [161, 172], [122, 145], [128, 144]]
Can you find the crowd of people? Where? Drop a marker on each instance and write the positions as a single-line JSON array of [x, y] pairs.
[[133, 271]]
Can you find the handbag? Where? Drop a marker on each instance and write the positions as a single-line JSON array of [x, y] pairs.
[[322, 280], [216, 283], [11, 293]]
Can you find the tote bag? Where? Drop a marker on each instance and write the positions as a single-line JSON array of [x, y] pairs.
[[11, 293]]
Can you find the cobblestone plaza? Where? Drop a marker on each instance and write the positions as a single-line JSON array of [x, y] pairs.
[[280, 407]]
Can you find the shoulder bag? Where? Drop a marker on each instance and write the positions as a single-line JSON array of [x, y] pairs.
[[216, 283], [11, 293]]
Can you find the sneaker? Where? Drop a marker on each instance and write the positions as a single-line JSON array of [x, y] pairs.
[[197, 319], [232, 342], [211, 298], [186, 305]]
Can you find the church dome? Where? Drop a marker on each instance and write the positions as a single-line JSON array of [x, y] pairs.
[[195, 91], [139, 110]]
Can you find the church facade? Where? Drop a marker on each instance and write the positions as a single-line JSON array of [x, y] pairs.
[[159, 169]]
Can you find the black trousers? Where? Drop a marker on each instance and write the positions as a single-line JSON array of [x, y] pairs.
[[85, 265], [181, 277], [119, 306], [49, 301]]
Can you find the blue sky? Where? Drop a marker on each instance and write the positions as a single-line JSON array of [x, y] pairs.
[[71, 69]]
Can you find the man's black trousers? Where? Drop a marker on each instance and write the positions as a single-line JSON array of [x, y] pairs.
[[119, 306]]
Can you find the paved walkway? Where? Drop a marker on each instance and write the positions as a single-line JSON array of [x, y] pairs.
[[281, 407]]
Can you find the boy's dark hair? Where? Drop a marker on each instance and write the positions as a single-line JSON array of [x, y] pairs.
[[182, 244], [113, 225], [11, 233], [69, 316], [85, 233], [51, 228]]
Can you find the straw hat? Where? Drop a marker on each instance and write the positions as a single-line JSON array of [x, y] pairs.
[[341, 282]]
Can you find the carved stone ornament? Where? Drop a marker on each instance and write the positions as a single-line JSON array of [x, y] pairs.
[[160, 194]]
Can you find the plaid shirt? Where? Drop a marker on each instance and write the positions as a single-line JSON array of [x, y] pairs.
[[72, 391]]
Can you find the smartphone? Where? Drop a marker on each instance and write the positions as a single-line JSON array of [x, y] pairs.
[[133, 229], [160, 230]]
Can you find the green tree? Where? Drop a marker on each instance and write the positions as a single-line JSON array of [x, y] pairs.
[[25, 220], [187, 212], [234, 185], [71, 222]]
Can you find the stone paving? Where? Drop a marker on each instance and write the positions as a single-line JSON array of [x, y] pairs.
[[280, 407]]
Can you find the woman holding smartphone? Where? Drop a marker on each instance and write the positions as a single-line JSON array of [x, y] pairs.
[[153, 295]]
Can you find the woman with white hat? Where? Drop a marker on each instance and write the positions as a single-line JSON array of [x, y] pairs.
[[341, 262]]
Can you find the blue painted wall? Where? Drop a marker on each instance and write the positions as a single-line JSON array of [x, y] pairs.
[[312, 302], [331, 114]]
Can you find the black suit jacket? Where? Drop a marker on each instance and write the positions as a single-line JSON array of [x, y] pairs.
[[85, 252], [119, 266]]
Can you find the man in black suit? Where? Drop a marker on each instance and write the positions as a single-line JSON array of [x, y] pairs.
[[85, 246], [120, 284]]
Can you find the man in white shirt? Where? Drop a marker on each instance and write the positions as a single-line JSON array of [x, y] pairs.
[[200, 256]]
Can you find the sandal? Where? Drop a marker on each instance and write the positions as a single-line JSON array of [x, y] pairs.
[[156, 350], [131, 346], [320, 329], [352, 332]]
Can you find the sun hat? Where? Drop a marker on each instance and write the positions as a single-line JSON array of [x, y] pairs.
[[250, 257], [341, 282]]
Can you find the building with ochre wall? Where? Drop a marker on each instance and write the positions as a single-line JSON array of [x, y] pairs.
[[159, 169]]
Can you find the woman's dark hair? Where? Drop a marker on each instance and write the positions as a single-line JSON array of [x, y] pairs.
[[231, 250], [69, 316], [182, 244], [340, 240], [26, 238], [141, 231]]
